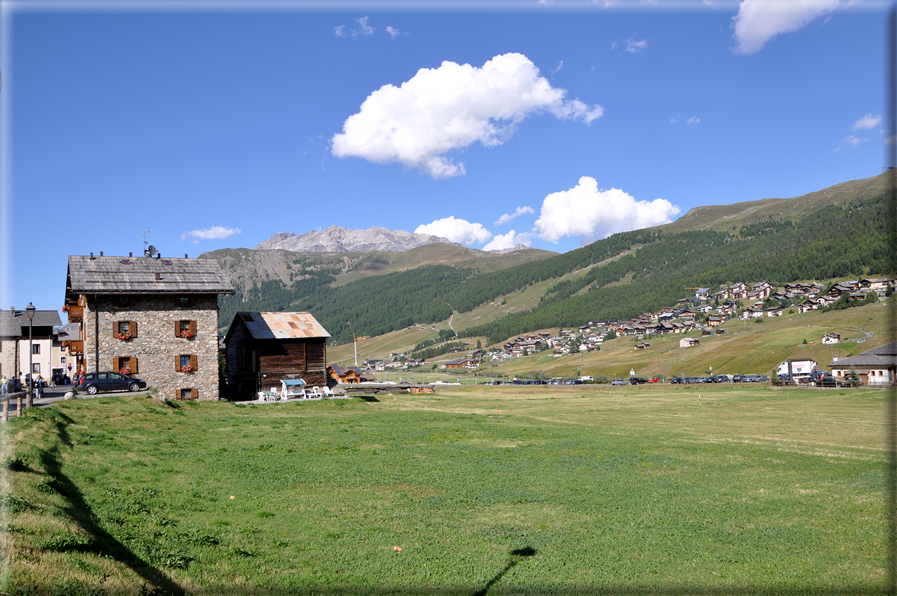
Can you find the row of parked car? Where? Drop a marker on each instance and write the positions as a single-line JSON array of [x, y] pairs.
[[722, 379]]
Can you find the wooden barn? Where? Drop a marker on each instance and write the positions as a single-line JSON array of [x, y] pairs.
[[264, 348]]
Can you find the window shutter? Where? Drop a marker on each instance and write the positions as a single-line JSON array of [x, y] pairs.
[[114, 328], [133, 365], [193, 328], [193, 362], [177, 363], [177, 328], [132, 327], [194, 393], [115, 365], [177, 394]]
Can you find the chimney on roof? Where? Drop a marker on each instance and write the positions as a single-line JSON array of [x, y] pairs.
[[12, 311], [130, 254], [91, 256], [101, 253], [185, 256], [158, 277]]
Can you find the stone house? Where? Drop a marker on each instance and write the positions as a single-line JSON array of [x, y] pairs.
[[154, 318]]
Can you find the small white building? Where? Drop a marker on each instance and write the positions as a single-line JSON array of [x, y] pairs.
[[831, 338], [687, 342]]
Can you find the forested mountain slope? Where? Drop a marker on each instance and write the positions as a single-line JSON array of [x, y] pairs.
[[829, 234]]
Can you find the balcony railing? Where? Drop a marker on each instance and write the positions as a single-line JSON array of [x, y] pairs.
[[76, 313]]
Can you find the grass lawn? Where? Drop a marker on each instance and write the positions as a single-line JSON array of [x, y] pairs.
[[486, 490]]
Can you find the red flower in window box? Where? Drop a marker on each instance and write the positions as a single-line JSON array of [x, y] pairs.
[[125, 336], [186, 334], [186, 369], [125, 371]]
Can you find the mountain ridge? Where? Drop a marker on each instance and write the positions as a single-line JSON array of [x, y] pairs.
[[340, 239]]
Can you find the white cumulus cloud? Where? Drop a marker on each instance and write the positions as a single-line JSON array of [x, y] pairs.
[[758, 21], [339, 30], [693, 121], [393, 32], [636, 47], [866, 122], [590, 213], [364, 29], [853, 140], [440, 110], [213, 233], [456, 230], [509, 240], [505, 218]]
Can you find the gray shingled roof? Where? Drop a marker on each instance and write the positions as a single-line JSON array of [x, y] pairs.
[[145, 275], [882, 356], [15, 323]]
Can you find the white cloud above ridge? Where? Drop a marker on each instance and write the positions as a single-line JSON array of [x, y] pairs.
[[213, 233], [509, 240], [364, 30], [588, 213], [758, 21], [456, 230], [506, 217], [866, 122], [853, 140], [448, 108], [636, 47]]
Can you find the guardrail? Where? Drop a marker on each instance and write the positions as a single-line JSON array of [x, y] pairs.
[[18, 395]]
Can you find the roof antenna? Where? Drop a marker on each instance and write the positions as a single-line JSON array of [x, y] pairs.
[[145, 234]]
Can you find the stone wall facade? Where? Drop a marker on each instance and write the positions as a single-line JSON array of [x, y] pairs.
[[156, 347], [8, 358]]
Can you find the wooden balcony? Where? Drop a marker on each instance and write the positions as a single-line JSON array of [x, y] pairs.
[[76, 347], [76, 313]]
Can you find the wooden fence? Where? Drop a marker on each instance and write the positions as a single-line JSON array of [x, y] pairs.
[[19, 396]]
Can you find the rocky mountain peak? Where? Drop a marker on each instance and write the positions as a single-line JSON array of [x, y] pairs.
[[339, 239]]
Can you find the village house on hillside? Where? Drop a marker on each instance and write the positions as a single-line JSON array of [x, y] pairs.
[[156, 318], [265, 348], [14, 350]]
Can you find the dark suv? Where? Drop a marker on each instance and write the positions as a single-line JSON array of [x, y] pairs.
[[94, 383]]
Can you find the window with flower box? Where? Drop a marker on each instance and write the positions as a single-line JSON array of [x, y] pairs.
[[186, 393], [122, 363], [124, 330], [185, 329], [185, 363]]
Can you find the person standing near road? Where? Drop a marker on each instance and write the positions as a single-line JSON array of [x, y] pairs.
[[39, 387], [3, 388]]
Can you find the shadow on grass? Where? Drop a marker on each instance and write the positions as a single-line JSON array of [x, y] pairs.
[[100, 541], [516, 555]]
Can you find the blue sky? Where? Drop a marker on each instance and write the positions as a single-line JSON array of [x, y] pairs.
[[546, 124]]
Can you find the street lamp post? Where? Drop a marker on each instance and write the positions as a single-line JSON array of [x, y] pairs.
[[29, 312]]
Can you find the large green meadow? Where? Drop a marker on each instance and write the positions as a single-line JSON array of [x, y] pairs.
[[485, 490]]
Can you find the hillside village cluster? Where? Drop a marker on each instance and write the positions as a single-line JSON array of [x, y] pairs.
[[703, 312], [157, 318]]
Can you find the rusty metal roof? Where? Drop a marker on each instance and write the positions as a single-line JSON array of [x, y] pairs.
[[282, 325]]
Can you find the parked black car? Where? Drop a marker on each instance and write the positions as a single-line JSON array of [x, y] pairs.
[[94, 383], [637, 381]]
